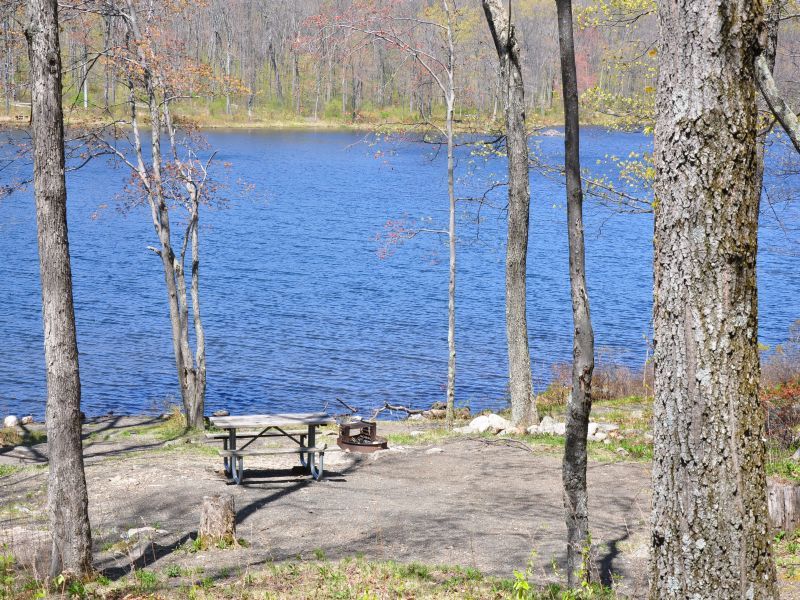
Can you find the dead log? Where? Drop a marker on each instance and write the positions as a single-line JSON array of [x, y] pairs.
[[218, 520], [784, 505]]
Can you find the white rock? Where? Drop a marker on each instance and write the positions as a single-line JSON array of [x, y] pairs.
[[417, 417], [546, 423], [598, 437], [434, 451], [466, 429], [560, 429], [143, 531], [592, 429], [416, 433], [607, 442], [10, 421], [623, 452], [533, 430], [498, 423], [796, 455], [607, 427], [480, 424], [27, 420]]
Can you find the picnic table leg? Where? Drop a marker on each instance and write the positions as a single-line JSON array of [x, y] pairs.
[[303, 461], [312, 431], [230, 463]]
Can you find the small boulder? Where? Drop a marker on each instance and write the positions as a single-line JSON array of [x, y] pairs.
[[623, 452], [607, 427], [480, 424], [10, 421], [796, 455], [546, 425], [466, 429], [220, 413], [416, 417], [598, 436], [592, 429], [27, 420], [416, 433], [434, 450], [498, 423], [534, 430], [560, 429]]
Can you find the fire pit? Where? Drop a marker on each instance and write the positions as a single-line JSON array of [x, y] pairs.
[[360, 436]]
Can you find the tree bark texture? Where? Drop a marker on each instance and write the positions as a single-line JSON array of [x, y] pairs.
[[66, 490], [784, 505], [710, 530], [218, 519], [576, 495], [520, 383]]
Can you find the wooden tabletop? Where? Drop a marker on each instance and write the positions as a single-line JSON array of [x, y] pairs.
[[273, 420]]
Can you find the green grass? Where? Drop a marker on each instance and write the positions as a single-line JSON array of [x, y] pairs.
[[6, 470]]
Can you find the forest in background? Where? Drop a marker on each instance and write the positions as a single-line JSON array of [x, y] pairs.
[[286, 61]]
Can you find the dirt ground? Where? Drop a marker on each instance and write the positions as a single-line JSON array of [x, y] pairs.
[[462, 501]]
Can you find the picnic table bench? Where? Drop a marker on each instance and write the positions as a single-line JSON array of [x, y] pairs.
[[269, 426]]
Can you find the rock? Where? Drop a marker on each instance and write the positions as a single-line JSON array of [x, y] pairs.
[[140, 532], [416, 433], [534, 430], [434, 450], [466, 429], [796, 455], [607, 427], [551, 133], [607, 442], [560, 429], [623, 452], [417, 417], [547, 422], [592, 429], [498, 423], [220, 413], [599, 436], [438, 406], [480, 424], [10, 421], [27, 420]]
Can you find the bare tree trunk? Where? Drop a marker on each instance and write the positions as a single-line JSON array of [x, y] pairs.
[[7, 65], [450, 99], [576, 495], [66, 490], [523, 407], [273, 61], [85, 75], [710, 525]]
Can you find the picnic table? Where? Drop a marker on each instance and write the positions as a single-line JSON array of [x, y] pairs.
[[269, 426]]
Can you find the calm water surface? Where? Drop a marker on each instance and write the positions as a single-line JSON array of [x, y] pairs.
[[300, 309]]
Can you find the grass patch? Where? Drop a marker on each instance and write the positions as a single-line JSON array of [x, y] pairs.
[[6, 470]]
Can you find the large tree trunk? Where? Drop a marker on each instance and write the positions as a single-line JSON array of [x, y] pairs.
[[66, 490], [451, 287], [523, 408], [576, 495], [710, 528]]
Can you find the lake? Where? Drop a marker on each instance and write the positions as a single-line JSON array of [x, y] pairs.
[[300, 307]]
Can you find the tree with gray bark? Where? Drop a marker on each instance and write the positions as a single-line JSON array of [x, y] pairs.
[[520, 381], [576, 495], [67, 499], [710, 531]]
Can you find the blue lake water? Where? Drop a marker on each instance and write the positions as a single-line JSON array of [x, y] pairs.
[[298, 306]]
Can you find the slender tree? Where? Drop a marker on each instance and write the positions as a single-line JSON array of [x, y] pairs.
[[67, 498], [710, 532], [520, 383], [576, 496]]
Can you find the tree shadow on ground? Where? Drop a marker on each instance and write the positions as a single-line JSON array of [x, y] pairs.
[[151, 553]]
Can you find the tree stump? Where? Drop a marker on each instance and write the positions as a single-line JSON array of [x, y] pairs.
[[218, 520], [784, 505]]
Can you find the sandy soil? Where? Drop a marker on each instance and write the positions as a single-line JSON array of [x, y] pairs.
[[464, 502]]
